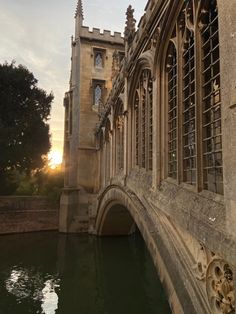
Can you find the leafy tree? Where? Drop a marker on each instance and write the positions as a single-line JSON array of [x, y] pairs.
[[24, 113], [50, 183]]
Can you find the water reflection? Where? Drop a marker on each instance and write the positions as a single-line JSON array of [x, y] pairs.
[[50, 298], [27, 283], [24, 283], [49, 273]]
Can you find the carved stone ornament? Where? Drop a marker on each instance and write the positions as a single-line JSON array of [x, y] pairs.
[[130, 25], [79, 9], [201, 262], [115, 64], [220, 289], [155, 38], [120, 122]]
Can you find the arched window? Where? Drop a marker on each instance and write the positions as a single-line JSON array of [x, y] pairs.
[[98, 60], [171, 68], [136, 113], [143, 93], [119, 136], [150, 124], [107, 152], [193, 98], [143, 121], [97, 94], [211, 101], [189, 99]]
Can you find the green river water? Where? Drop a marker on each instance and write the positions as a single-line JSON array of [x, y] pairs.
[[70, 274]]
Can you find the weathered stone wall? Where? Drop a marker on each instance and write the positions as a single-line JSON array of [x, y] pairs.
[[193, 255], [26, 214]]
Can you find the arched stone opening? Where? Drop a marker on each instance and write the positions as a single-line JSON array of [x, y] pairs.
[[120, 210], [116, 221]]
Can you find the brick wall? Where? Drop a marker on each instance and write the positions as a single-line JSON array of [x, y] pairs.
[[25, 214]]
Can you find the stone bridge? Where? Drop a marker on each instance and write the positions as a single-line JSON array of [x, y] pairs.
[[149, 144], [185, 239]]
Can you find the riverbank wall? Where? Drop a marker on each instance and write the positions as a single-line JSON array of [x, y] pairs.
[[27, 214]]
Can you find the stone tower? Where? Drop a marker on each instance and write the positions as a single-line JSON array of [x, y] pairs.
[[90, 84]]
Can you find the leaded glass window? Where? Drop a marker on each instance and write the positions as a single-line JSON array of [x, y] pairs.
[[194, 104], [119, 122], [189, 110], [211, 111], [172, 111], [97, 94], [136, 112], [98, 60], [143, 121], [150, 124]]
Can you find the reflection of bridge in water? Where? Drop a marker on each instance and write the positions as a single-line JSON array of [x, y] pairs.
[[154, 157]]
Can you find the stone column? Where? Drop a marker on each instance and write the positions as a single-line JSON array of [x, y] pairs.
[[227, 35]]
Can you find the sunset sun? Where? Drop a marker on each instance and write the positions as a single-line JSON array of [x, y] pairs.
[[54, 159]]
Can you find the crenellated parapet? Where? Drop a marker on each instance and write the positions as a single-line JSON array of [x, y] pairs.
[[99, 35]]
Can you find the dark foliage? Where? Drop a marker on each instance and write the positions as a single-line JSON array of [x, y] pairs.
[[24, 129]]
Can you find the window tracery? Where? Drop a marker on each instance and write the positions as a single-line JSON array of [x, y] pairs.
[[172, 110], [136, 109], [143, 120], [119, 135], [97, 94], [98, 60], [211, 101], [150, 124], [194, 114], [189, 109]]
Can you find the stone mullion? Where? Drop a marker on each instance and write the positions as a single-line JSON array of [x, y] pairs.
[[179, 48], [163, 136], [127, 139], [129, 156], [198, 108], [140, 129], [103, 167], [150, 124], [115, 149], [156, 152], [146, 126]]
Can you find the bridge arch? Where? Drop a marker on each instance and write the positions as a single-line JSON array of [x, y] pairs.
[[119, 212]]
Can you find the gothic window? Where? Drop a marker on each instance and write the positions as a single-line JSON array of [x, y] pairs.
[[107, 151], [143, 121], [98, 60], [99, 57], [172, 111], [189, 110], [121, 147], [211, 101], [119, 135], [150, 124], [136, 113], [194, 114], [97, 94]]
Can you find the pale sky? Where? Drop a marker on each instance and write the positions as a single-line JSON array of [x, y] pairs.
[[36, 33]]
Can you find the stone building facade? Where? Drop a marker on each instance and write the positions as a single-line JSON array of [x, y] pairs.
[[90, 84], [157, 150]]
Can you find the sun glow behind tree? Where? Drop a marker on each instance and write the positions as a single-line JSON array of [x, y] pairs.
[[54, 159]]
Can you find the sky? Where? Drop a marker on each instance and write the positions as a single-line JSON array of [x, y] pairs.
[[37, 34]]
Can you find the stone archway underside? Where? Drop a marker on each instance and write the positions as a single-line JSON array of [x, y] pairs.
[[119, 210]]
